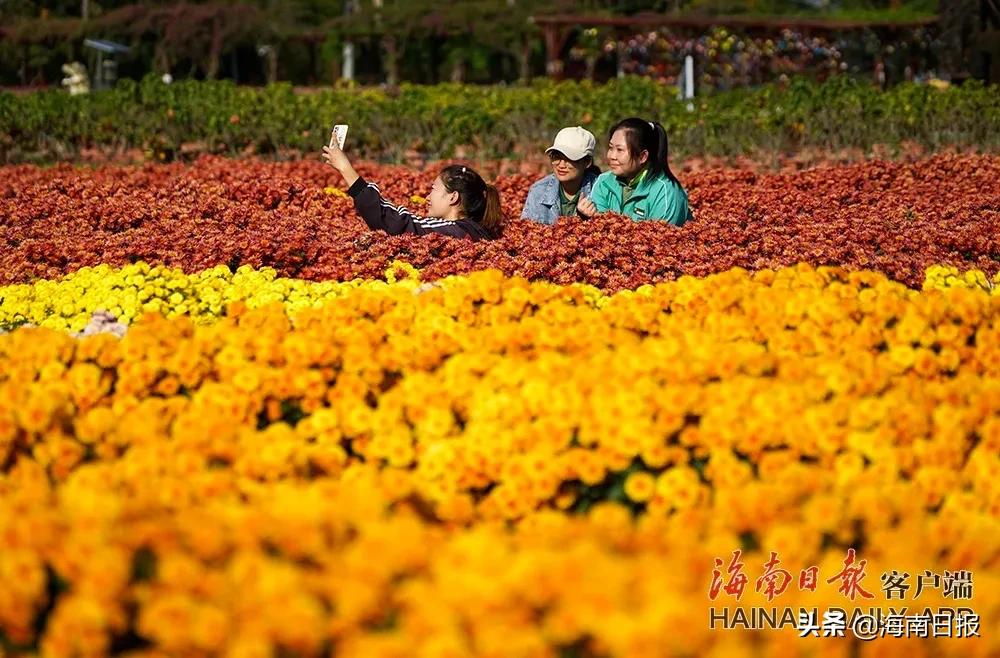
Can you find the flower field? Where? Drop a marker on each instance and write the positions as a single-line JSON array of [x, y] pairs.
[[895, 218], [233, 423]]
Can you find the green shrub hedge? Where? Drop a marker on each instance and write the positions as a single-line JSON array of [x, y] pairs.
[[494, 121]]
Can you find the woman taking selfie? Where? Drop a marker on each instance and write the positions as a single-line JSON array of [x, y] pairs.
[[461, 204], [573, 175], [639, 182]]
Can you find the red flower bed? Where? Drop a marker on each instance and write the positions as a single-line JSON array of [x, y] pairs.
[[893, 217]]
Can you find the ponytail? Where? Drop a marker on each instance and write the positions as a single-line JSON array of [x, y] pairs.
[[649, 136], [492, 215], [661, 161], [480, 201]]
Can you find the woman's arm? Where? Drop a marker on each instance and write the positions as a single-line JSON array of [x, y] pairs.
[[375, 210], [597, 202], [335, 157], [381, 215], [600, 194], [378, 213]]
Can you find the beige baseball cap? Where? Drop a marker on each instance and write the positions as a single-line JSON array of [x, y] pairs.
[[575, 143]]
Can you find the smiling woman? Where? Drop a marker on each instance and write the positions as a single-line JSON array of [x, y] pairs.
[[461, 203], [640, 183], [573, 175]]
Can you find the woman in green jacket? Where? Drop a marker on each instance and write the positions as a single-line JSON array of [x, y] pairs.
[[639, 182]]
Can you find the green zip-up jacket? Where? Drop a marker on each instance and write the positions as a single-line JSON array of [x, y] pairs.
[[656, 198]]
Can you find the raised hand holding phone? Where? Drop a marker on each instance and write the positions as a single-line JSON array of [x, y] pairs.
[[334, 155]]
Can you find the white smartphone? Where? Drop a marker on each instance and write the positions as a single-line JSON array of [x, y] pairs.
[[340, 134]]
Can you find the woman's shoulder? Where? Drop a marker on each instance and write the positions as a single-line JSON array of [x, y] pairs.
[[668, 184], [541, 190], [605, 178], [544, 182], [472, 230]]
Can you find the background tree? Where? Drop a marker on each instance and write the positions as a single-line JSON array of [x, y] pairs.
[[393, 23], [421, 40]]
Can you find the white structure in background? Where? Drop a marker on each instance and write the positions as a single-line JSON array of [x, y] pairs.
[[347, 72], [347, 68], [688, 81], [76, 78]]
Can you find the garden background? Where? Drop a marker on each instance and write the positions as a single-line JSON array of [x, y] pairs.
[[235, 422]]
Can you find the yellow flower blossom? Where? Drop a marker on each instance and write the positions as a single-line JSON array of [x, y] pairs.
[[398, 468]]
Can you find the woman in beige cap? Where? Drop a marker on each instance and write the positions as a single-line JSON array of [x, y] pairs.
[[573, 175]]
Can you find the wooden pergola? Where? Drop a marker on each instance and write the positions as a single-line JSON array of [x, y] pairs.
[[971, 28], [557, 29]]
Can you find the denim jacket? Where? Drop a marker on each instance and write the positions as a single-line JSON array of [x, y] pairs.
[[542, 204]]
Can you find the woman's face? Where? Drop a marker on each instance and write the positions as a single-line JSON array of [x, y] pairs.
[[440, 201], [620, 161], [567, 170]]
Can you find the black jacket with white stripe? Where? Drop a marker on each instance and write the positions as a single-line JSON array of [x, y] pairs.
[[396, 220]]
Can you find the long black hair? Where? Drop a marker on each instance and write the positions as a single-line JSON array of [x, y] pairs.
[[649, 136], [480, 200]]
